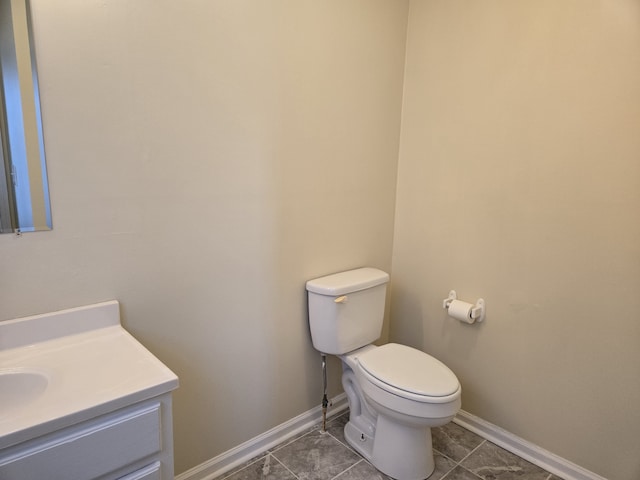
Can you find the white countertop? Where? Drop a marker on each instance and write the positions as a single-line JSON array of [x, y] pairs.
[[91, 364]]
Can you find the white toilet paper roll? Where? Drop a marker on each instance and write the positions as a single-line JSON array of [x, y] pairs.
[[461, 311]]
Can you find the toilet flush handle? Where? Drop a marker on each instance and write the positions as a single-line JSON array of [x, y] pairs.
[[342, 299]]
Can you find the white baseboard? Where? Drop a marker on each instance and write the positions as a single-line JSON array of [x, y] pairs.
[[238, 455], [524, 449]]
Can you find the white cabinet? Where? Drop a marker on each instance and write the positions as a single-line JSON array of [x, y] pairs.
[[150, 472], [132, 443], [100, 407]]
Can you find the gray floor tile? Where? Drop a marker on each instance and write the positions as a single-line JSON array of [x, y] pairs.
[[244, 465], [316, 456], [267, 468], [460, 473], [454, 441], [443, 466], [491, 462], [362, 470], [296, 437], [336, 427]]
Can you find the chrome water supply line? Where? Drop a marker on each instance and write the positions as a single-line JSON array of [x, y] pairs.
[[325, 402]]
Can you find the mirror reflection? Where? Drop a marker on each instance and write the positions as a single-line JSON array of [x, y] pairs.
[[24, 192]]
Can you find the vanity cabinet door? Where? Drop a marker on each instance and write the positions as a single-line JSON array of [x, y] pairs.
[[150, 472], [89, 450]]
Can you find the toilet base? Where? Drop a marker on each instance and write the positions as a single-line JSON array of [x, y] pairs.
[[400, 451]]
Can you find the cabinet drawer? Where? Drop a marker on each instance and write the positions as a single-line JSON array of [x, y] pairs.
[[102, 446], [150, 472]]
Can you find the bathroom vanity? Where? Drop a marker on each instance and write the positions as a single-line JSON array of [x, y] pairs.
[[81, 399]]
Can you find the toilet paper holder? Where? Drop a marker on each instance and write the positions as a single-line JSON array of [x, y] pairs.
[[476, 313]]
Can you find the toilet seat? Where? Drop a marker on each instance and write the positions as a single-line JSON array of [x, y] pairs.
[[409, 373]]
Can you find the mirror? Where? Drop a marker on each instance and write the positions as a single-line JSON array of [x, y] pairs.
[[24, 191]]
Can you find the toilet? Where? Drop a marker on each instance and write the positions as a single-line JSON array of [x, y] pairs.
[[395, 393]]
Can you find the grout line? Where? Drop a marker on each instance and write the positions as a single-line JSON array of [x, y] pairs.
[[247, 465], [344, 444], [291, 440], [459, 464], [455, 464], [444, 455], [271, 458], [340, 441], [471, 452], [475, 476], [287, 468], [348, 468], [472, 473]]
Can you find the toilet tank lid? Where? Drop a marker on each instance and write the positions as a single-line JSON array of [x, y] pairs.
[[348, 282]]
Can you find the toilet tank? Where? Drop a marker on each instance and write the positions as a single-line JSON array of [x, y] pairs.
[[346, 309]]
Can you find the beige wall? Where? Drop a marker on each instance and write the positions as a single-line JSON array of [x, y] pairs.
[[205, 159], [519, 182]]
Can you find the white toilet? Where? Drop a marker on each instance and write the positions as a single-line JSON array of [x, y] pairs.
[[396, 393]]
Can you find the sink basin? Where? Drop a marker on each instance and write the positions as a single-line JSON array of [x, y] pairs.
[[19, 387], [59, 369]]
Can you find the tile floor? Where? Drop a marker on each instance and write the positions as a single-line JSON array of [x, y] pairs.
[[314, 455]]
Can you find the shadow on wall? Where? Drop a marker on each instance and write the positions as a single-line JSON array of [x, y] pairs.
[[458, 337], [407, 322], [442, 332]]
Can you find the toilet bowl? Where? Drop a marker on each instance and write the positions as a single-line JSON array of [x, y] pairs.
[[396, 394]]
